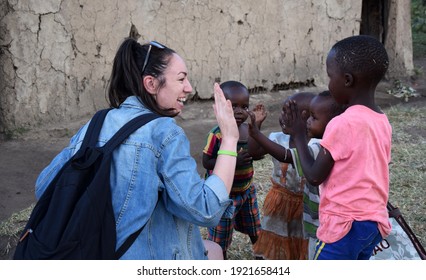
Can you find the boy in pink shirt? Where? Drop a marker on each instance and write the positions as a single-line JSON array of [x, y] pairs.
[[352, 165]]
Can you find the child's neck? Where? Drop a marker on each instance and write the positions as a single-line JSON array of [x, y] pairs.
[[365, 98]]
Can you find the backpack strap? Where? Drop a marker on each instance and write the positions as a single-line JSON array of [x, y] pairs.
[[121, 135], [396, 214], [95, 126], [124, 132], [91, 138], [129, 241], [393, 211]]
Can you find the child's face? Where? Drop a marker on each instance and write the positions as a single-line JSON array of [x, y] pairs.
[[240, 100], [283, 117], [336, 84], [319, 116]]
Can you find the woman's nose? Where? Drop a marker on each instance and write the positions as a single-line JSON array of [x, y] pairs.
[[188, 87]]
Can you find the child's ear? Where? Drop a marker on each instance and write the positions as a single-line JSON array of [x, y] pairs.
[[150, 84], [305, 115], [349, 79]]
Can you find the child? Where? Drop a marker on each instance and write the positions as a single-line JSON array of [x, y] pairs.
[[322, 109], [352, 165], [284, 235], [245, 218]]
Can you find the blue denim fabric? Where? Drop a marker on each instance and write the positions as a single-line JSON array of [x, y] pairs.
[[154, 163], [357, 244]]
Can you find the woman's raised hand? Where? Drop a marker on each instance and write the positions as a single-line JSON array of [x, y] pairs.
[[225, 115], [225, 164]]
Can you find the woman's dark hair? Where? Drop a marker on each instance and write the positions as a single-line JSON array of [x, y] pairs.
[[126, 74]]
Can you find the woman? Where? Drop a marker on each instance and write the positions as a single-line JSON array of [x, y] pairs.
[[154, 179]]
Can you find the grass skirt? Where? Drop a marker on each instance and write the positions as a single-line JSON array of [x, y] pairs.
[[281, 237]]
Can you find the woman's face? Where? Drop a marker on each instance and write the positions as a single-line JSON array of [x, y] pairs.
[[177, 86]]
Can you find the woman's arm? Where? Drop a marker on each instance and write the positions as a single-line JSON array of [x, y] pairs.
[[225, 164]]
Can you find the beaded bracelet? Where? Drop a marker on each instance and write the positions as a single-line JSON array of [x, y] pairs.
[[228, 153]]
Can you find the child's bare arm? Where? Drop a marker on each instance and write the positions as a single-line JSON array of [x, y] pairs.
[[208, 162], [314, 170], [267, 145], [255, 149]]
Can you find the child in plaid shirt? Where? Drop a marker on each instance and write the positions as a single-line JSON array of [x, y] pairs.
[[245, 217]]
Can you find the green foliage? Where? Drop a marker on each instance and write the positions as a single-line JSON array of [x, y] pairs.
[[418, 24], [418, 16]]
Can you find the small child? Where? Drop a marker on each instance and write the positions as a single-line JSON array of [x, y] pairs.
[[245, 217], [285, 231], [352, 165], [323, 108]]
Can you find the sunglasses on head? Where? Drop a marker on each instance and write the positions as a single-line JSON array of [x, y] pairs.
[[155, 44]]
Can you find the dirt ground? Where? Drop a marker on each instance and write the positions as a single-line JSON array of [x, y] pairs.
[[22, 159]]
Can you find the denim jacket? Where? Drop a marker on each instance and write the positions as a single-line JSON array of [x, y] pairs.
[[153, 164]]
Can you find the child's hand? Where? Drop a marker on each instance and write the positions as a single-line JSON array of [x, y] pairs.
[[253, 125], [243, 158], [293, 122], [260, 113]]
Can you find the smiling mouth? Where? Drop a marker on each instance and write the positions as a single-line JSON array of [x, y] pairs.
[[181, 100]]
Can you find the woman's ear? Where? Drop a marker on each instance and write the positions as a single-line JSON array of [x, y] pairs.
[[150, 84]]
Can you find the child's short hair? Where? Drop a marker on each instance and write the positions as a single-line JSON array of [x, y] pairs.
[[362, 54], [231, 84], [303, 99], [336, 108]]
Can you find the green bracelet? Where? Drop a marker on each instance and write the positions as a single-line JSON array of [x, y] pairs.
[[228, 153]]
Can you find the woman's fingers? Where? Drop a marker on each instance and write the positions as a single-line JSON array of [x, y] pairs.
[[224, 113]]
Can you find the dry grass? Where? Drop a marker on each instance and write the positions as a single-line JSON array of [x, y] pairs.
[[407, 175]]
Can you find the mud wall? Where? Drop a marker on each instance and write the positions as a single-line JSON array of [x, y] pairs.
[[56, 55]]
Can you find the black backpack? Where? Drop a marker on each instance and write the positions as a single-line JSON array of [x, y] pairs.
[[74, 218]]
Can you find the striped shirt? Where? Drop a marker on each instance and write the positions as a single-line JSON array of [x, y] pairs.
[[243, 174]]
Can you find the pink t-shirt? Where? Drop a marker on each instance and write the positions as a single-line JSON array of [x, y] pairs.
[[357, 188]]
